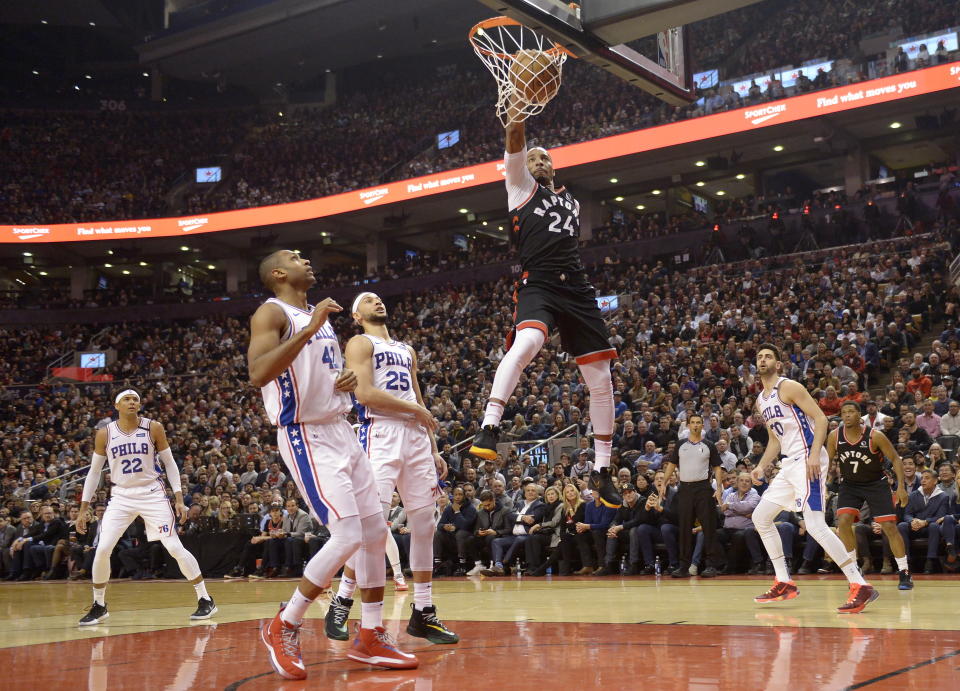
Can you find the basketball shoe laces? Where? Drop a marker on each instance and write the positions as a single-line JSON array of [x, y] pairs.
[[340, 613], [290, 640], [431, 619], [385, 638]]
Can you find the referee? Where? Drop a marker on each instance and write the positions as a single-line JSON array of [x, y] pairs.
[[696, 499]]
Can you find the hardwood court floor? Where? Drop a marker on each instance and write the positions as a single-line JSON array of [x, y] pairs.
[[577, 633]]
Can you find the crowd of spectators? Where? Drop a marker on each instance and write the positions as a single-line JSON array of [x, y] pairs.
[[844, 318], [62, 167]]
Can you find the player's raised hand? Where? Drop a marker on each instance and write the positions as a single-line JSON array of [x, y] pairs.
[[321, 312], [346, 382], [425, 418]]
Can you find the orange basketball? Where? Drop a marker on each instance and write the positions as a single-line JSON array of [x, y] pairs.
[[535, 76]]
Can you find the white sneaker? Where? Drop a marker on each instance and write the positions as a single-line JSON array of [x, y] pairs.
[[475, 571], [693, 570], [400, 582]]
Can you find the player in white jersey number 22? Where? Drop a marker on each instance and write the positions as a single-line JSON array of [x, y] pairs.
[[135, 447], [396, 430], [798, 429]]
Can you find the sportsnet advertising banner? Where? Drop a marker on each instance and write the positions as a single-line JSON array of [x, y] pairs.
[[893, 88]]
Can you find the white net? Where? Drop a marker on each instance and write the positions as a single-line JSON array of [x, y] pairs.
[[527, 66]]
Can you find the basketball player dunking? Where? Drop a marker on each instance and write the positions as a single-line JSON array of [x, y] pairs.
[[553, 293], [397, 432], [135, 447], [295, 358], [798, 429], [859, 451]]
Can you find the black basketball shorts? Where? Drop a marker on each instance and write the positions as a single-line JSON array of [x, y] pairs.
[[545, 305], [877, 494]]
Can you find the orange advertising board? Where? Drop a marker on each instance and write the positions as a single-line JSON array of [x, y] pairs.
[[929, 80]]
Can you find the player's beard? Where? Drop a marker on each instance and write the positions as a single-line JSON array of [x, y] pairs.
[[544, 179], [378, 319]]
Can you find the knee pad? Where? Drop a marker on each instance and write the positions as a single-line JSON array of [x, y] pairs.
[[420, 522], [370, 567], [596, 375]]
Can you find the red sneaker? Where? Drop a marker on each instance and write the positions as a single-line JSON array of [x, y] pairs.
[[283, 643], [779, 591], [376, 647], [860, 596]]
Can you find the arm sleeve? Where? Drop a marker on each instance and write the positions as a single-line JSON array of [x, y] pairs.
[[520, 184], [92, 482], [173, 472]]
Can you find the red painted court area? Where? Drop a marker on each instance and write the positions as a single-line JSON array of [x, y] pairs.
[[514, 655]]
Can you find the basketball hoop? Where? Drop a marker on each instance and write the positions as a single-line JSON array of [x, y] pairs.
[[526, 65]]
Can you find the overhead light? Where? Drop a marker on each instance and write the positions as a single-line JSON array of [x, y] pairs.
[[720, 193], [464, 211], [146, 74], [28, 254], [640, 207], [701, 183], [618, 199], [655, 192], [434, 41], [324, 234], [379, 56], [211, 267], [87, 76], [184, 248], [700, 164], [328, 70], [76, 87], [108, 266], [109, 251], [279, 83], [143, 263], [196, 261], [895, 125], [614, 181], [44, 21], [36, 72], [778, 147], [280, 113], [484, 223], [125, 272], [92, 23], [43, 273], [499, 227], [740, 176]]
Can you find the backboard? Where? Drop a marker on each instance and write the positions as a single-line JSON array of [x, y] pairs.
[[598, 31]]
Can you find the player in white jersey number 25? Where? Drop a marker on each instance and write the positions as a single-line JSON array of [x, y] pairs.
[[135, 447], [798, 429], [396, 430]]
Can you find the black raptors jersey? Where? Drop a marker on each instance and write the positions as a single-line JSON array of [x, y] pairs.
[[546, 230], [860, 462]]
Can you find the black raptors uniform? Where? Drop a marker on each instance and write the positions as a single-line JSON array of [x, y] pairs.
[[862, 478], [553, 290]]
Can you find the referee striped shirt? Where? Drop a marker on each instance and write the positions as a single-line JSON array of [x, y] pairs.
[[694, 460]]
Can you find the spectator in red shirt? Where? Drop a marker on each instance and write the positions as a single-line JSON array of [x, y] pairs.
[[919, 382], [830, 403]]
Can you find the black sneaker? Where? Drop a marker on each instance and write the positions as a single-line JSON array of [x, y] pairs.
[[603, 483], [709, 572], [96, 614], [335, 623], [906, 581], [680, 572], [425, 624], [205, 608], [485, 443]]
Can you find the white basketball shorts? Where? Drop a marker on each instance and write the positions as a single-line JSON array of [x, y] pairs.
[[330, 469], [402, 458], [792, 490], [126, 503]]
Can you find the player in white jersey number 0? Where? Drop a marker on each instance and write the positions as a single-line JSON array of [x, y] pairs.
[[396, 431], [797, 429], [135, 447]]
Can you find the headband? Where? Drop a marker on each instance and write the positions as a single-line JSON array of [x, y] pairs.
[[123, 393], [358, 299]]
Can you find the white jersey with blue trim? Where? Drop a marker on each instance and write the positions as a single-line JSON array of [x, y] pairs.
[[304, 392], [392, 366], [133, 456], [794, 431]]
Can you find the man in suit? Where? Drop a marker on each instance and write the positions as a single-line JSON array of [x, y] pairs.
[[25, 533], [921, 517], [296, 524], [40, 550], [517, 530]]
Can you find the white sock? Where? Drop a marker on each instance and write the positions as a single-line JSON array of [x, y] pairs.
[[902, 564], [493, 414], [296, 608], [98, 595], [602, 448], [201, 589], [347, 588], [422, 595], [780, 569], [371, 614], [852, 572]]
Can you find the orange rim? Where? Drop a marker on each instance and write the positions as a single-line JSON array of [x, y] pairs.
[[507, 21]]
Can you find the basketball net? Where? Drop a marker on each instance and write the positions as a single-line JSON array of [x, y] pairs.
[[498, 42]]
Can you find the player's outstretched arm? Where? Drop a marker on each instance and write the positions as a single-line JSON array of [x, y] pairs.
[[267, 357], [515, 131], [92, 481]]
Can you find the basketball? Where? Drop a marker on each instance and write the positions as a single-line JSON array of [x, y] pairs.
[[535, 76]]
